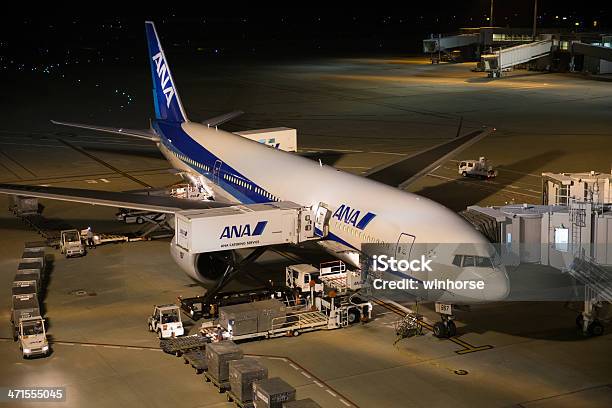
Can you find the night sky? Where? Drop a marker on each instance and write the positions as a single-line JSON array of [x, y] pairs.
[[70, 46], [44, 40]]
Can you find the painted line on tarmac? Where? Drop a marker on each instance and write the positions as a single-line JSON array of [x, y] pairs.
[[105, 164], [403, 310], [482, 185], [320, 383], [104, 345], [316, 380]]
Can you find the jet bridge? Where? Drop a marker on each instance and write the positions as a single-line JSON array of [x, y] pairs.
[[574, 238], [597, 51], [506, 58], [444, 45]]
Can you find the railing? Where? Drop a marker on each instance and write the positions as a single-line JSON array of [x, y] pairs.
[[332, 267]]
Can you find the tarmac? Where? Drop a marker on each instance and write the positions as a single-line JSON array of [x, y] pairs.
[[353, 114]]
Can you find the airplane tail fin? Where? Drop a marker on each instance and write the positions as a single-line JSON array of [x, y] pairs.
[[168, 105]]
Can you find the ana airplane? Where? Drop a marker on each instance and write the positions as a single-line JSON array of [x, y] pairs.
[[361, 210]]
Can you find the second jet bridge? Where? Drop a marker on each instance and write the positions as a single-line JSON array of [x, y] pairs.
[[506, 58], [436, 46]]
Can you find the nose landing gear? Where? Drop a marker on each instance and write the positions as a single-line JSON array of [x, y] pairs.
[[446, 326]]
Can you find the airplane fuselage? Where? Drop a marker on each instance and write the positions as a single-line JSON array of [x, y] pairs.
[[363, 211]]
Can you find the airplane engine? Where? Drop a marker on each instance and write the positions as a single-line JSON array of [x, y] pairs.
[[206, 268]]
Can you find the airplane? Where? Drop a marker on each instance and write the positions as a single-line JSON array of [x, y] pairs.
[[361, 210]]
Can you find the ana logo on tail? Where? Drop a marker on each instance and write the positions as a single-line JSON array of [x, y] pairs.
[[164, 77]]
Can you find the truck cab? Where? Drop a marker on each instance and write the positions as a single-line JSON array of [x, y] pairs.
[[477, 168], [71, 244], [33, 337], [299, 277], [166, 321]]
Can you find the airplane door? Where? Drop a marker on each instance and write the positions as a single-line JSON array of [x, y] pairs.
[[321, 224], [404, 246], [216, 171]]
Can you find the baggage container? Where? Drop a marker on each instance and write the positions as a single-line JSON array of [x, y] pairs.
[[21, 205], [35, 245], [271, 311], [242, 374], [303, 403], [33, 256], [238, 319], [26, 279], [27, 267], [272, 393], [218, 356], [23, 290]]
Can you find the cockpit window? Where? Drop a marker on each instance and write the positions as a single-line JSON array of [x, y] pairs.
[[473, 261], [457, 260], [483, 262], [468, 260]]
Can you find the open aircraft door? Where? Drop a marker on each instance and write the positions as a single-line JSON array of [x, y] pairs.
[[322, 216], [404, 246], [217, 171]]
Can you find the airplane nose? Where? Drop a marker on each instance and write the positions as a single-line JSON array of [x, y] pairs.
[[497, 286]]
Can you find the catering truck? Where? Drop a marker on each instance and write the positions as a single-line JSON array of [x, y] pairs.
[[243, 226], [480, 168]]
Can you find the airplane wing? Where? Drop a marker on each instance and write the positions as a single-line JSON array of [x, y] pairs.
[[406, 170], [146, 134], [226, 117], [162, 204]]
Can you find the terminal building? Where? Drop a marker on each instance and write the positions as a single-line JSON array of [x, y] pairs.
[[500, 49]]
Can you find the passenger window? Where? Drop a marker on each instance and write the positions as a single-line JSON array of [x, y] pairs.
[[468, 260], [462, 164], [457, 260], [470, 165]]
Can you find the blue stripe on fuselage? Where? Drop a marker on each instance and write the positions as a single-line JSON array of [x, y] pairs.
[[175, 139]]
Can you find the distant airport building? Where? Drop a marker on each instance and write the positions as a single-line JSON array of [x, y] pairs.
[[500, 49]]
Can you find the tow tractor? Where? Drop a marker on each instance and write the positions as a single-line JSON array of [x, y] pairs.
[[477, 168], [166, 321], [33, 337], [71, 243]]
